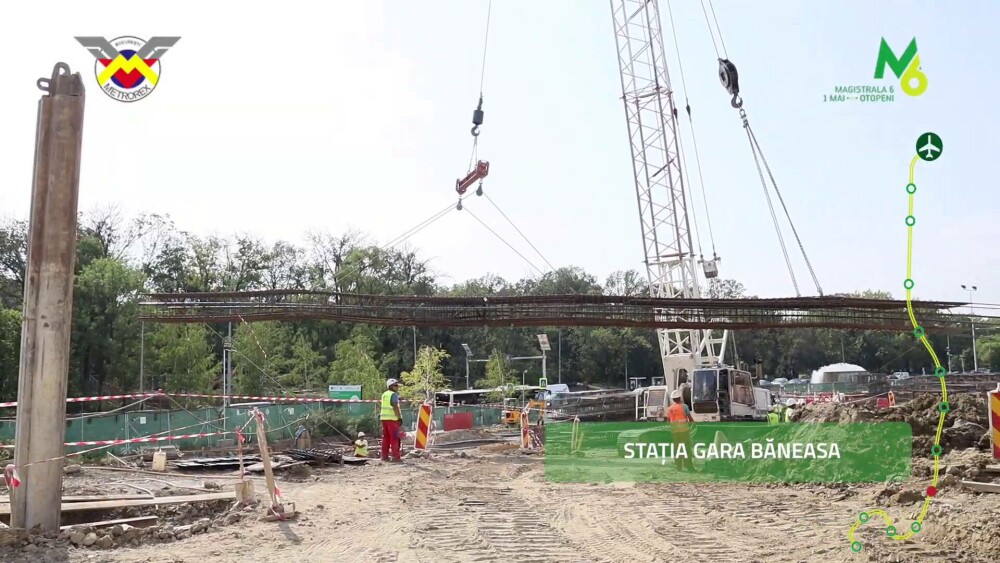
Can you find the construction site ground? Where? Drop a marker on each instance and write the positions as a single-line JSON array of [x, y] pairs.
[[493, 503]]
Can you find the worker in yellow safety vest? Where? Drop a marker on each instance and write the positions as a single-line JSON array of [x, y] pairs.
[[774, 416], [392, 421], [361, 446], [787, 415]]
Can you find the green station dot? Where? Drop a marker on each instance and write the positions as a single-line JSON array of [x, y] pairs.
[[918, 331], [856, 546], [936, 450], [864, 517], [890, 531], [911, 188], [943, 406], [908, 283], [940, 371], [915, 527], [911, 220]]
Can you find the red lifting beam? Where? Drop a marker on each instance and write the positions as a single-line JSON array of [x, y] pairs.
[[481, 171]]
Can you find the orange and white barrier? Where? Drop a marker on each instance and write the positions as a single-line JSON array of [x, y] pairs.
[[993, 402], [525, 431], [423, 426], [892, 399]]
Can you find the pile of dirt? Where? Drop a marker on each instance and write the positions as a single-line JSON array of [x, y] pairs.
[[965, 426]]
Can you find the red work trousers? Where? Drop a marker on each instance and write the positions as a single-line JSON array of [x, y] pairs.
[[390, 438]]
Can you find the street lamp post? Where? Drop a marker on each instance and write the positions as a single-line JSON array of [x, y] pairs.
[[468, 352], [972, 312], [543, 343]]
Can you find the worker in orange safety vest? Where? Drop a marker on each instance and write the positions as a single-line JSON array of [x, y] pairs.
[[679, 416]]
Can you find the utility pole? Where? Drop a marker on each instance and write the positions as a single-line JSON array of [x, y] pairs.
[[559, 363], [142, 357], [227, 366], [972, 312], [48, 302]]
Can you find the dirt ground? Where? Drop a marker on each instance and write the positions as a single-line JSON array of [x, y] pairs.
[[492, 503]]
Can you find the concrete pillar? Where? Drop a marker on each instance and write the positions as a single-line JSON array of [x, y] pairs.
[[48, 302]]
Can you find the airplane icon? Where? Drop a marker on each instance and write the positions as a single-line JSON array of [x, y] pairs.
[[931, 149]]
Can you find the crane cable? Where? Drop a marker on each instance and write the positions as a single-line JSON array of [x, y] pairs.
[[477, 114], [694, 141], [477, 121], [730, 80]]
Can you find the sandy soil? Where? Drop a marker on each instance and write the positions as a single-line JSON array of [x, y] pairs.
[[487, 504]]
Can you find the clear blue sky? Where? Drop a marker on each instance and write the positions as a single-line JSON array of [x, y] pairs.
[[357, 114]]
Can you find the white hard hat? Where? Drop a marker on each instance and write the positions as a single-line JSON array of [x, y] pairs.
[[790, 402], [361, 434], [802, 401], [391, 382], [676, 394]]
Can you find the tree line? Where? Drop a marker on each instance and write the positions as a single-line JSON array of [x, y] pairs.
[[121, 258]]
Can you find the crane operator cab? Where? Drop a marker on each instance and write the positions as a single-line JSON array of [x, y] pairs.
[[723, 394]]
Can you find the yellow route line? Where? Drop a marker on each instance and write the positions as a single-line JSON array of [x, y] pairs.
[[866, 516]]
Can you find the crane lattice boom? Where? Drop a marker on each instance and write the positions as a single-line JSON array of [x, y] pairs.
[[656, 158]]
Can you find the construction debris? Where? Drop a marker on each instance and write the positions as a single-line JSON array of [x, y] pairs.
[[324, 456], [981, 487], [227, 462], [965, 426], [123, 503]]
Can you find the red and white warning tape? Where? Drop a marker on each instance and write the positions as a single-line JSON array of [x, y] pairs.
[[98, 398], [255, 398], [141, 440]]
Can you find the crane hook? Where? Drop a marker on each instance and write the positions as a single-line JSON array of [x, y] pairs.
[[730, 81], [477, 117]]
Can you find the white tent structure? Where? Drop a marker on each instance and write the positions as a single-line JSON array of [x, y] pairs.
[[840, 373]]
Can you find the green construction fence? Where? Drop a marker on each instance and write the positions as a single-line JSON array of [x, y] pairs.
[[282, 422]]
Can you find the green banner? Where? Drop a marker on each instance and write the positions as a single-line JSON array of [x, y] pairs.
[[600, 452]]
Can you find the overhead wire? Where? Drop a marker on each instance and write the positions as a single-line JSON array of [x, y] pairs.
[[729, 77], [503, 240], [694, 141], [788, 215], [525, 237]]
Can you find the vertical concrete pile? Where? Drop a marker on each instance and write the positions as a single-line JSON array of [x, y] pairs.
[[48, 302]]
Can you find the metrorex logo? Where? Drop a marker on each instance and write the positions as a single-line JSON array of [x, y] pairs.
[[906, 68]]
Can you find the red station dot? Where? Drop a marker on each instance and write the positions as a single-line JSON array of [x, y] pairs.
[[931, 491]]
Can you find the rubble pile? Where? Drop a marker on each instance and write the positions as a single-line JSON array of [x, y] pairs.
[[965, 426], [177, 522]]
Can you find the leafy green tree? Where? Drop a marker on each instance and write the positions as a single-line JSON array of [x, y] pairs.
[[426, 377], [10, 352], [182, 356], [355, 365], [499, 378], [260, 358], [106, 326]]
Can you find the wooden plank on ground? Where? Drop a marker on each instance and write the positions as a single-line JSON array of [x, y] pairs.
[[137, 522], [92, 498], [982, 487], [112, 504]]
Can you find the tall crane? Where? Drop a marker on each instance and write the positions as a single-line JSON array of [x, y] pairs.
[[671, 263]]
